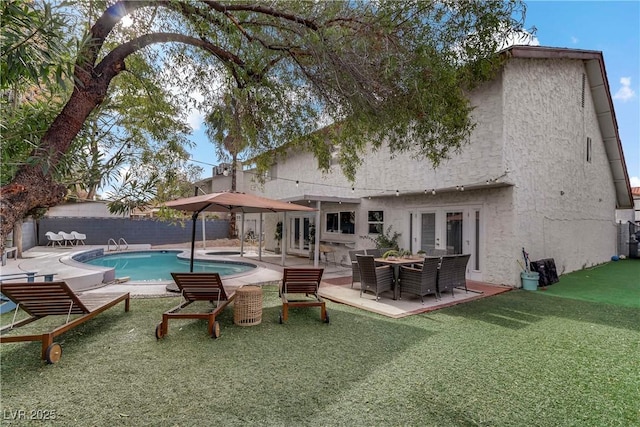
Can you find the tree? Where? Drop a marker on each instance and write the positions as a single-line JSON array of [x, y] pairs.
[[394, 69]]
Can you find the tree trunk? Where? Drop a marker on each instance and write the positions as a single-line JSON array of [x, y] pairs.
[[34, 185]]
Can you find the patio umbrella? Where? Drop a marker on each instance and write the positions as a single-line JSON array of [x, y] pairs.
[[232, 202]]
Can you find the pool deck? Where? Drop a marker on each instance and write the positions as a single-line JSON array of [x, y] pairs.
[[336, 281], [86, 278]]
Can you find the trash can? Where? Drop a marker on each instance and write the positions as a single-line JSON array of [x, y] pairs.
[[530, 280], [633, 249]]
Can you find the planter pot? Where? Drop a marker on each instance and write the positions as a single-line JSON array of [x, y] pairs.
[[530, 280], [277, 250]]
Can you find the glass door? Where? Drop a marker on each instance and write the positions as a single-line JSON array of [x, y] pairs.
[[299, 234], [456, 230]]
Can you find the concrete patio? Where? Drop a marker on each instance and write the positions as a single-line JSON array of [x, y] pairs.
[[336, 284]]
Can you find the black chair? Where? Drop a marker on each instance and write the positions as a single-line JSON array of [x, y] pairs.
[[376, 253], [372, 278], [420, 281], [452, 272], [355, 269]]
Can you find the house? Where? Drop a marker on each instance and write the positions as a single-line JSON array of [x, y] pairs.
[[544, 171]]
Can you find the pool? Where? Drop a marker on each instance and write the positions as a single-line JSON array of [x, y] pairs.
[[150, 266]]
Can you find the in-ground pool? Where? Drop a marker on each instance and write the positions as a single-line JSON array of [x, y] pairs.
[[158, 265]]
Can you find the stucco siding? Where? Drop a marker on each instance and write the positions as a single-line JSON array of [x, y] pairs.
[[559, 195]]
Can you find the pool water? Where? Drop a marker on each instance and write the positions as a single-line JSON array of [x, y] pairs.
[[158, 265]]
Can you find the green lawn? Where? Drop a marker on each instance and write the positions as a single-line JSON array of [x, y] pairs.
[[516, 359]]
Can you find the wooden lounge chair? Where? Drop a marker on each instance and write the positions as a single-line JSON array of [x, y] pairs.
[[41, 299], [197, 287], [302, 281]]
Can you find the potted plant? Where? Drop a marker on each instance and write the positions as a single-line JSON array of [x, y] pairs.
[[391, 254], [312, 240], [278, 237]]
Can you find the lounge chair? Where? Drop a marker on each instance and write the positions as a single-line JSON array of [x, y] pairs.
[[54, 239], [452, 272], [302, 281], [420, 281], [355, 269], [372, 278], [67, 238], [41, 299], [79, 237], [197, 287]]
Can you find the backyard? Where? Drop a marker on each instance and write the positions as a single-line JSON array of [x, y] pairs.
[[517, 359]]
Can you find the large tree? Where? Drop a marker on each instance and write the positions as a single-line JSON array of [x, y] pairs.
[[396, 70]]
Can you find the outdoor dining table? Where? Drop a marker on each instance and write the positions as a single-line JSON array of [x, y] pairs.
[[396, 263]]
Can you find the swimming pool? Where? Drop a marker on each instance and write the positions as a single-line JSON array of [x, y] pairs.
[[150, 266]]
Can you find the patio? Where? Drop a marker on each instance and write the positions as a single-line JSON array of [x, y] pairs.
[[336, 284]]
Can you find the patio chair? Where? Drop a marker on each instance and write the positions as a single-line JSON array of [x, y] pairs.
[[452, 272], [372, 278], [67, 238], [197, 287], [420, 281], [54, 239], [41, 299], [376, 253], [355, 269], [300, 281], [79, 237]]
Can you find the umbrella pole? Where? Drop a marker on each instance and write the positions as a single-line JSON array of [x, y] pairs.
[[194, 217]]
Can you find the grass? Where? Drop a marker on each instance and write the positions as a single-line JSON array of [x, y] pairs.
[[516, 359], [615, 283]]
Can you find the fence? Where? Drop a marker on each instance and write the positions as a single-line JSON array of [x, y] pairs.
[[134, 231]]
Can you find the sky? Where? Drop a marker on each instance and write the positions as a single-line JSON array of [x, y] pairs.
[[612, 27]]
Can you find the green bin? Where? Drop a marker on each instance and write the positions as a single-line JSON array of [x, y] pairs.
[[530, 280]]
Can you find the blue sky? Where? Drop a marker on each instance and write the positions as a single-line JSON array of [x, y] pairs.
[[612, 27]]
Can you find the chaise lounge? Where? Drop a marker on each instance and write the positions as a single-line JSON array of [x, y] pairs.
[[41, 299], [197, 287]]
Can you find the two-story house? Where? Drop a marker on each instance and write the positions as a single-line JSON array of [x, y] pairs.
[[544, 170]]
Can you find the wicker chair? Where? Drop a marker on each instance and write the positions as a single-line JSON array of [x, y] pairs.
[[376, 253], [372, 278], [420, 281], [355, 270], [452, 273]]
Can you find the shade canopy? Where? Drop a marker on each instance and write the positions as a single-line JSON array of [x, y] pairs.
[[230, 202], [234, 203]]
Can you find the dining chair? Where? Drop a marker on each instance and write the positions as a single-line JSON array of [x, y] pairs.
[[372, 278], [452, 272], [421, 280], [355, 269]]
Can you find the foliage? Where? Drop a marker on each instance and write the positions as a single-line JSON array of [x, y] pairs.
[[385, 239], [35, 48], [384, 72], [278, 233]]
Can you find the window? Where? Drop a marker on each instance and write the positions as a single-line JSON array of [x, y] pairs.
[[376, 221], [589, 150], [341, 222]]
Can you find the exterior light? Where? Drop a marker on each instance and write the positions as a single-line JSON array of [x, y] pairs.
[[397, 193], [297, 183]]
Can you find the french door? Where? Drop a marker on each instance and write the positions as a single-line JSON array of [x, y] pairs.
[[298, 231], [456, 230]]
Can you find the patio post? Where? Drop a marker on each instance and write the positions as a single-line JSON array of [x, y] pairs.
[[260, 239], [316, 249], [284, 240], [242, 235]]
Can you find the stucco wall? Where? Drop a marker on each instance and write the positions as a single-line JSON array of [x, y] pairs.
[[564, 205]]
